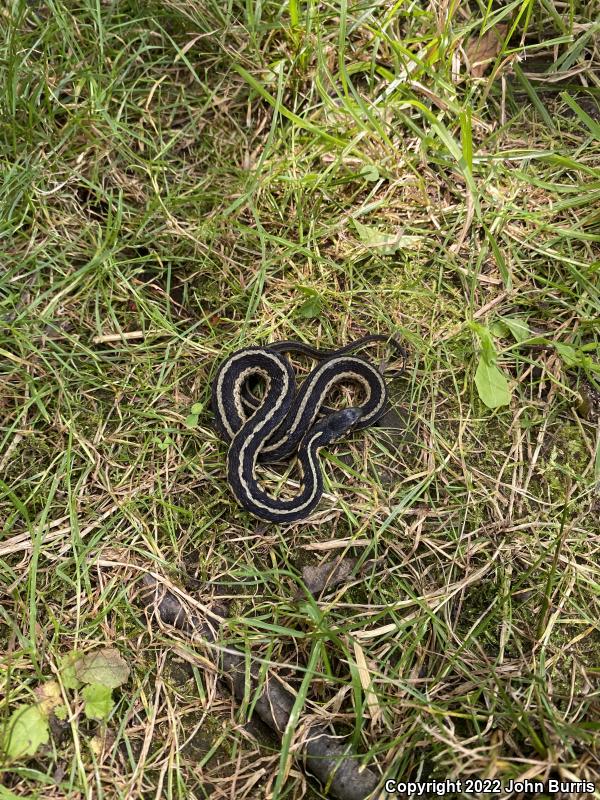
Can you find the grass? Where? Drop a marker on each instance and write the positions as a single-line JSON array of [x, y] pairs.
[[181, 178]]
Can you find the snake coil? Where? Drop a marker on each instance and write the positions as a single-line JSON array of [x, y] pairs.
[[288, 419]]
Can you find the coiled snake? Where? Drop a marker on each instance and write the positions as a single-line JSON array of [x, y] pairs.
[[287, 419]]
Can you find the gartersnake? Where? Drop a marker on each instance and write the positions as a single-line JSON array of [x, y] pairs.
[[287, 419]]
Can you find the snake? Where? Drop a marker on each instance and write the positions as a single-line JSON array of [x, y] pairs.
[[288, 419]]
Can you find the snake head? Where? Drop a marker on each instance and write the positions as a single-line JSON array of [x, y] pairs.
[[337, 425]]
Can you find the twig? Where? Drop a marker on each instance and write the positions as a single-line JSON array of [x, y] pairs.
[[324, 755], [122, 337]]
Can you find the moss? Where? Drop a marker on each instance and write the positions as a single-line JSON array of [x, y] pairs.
[[476, 603], [565, 460]]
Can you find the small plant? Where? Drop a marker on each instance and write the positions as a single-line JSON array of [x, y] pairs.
[[93, 674], [491, 382]]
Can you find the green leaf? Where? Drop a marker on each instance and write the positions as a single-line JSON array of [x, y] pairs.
[[518, 327], [488, 351], [310, 308], [196, 408], [67, 670], [499, 329], [370, 172], [98, 701], [105, 666], [492, 385], [386, 243], [569, 355], [575, 357], [191, 420], [27, 730]]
